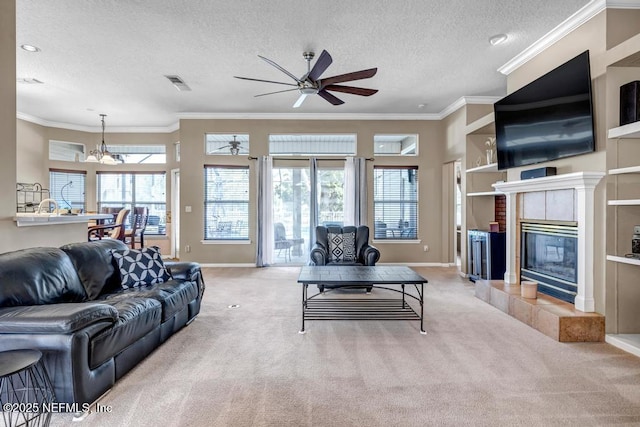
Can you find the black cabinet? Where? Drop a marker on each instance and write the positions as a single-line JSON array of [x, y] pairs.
[[486, 257]]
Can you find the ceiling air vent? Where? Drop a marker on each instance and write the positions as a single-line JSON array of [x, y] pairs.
[[178, 83]]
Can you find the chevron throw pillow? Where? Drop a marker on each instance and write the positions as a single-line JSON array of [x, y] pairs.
[[141, 267]]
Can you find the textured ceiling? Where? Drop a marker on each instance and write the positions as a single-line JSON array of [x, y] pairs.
[[110, 56]]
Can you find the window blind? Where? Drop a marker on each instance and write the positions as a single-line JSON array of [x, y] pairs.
[[395, 203], [226, 203], [67, 188]]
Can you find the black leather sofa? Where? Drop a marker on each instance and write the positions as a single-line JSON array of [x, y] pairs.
[[68, 303]]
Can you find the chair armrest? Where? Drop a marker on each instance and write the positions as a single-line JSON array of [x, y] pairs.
[[370, 255], [319, 255], [98, 230], [61, 318]]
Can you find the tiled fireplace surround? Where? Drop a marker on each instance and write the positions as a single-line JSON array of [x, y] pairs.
[[567, 197]]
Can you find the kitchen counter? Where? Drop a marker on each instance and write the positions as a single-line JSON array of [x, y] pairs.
[[23, 219]]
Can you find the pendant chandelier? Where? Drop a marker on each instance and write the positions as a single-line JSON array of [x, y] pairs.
[[101, 154]]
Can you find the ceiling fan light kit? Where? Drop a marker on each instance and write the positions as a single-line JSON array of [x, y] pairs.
[[311, 84]]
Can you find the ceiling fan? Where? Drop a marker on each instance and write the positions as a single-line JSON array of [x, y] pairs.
[[311, 83], [233, 147]]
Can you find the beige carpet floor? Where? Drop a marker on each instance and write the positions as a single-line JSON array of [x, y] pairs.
[[248, 366]]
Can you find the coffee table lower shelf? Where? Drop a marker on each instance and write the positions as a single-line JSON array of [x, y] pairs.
[[359, 309]]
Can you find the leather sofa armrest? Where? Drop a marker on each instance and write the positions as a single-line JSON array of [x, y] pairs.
[[186, 271], [370, 255], [319, 255], [61, 318]]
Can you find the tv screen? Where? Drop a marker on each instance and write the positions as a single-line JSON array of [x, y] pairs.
[[550, 118]]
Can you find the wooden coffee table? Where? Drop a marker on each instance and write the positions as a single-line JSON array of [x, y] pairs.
[[368, 307]]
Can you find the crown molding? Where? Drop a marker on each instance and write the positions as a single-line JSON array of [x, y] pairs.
[[623, 4], [468, 100], [571, 23], [459, 103], [304, 116], [94, 129]]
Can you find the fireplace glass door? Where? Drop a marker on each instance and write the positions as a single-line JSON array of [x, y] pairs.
[[549, 256]]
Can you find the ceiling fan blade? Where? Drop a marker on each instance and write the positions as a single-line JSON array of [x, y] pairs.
[[300, 100], [329, 97], [265, 81], [352, 90], [270, 62], [356, 75], [323, 62], [278, 91]]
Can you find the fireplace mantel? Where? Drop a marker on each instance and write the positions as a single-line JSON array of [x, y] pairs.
[[584, 183], [556, 182]]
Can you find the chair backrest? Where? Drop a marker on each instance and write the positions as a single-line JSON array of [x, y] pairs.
[[279, 232], [139, 220], [119, 232], [361, 237]]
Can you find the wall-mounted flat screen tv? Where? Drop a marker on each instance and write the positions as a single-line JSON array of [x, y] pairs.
[[548, 119]]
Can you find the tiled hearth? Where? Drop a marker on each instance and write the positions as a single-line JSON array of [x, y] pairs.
[[551, 316]]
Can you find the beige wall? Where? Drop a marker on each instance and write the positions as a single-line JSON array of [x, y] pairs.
[[429, 161]]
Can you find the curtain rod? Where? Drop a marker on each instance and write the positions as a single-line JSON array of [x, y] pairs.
[[309, 158]]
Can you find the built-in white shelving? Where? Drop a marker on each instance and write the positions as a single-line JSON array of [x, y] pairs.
[[620, 171], [623, 260], [626, 342], [484, 125], [485, 193], [628, 202], [492, 167], [631, 131]]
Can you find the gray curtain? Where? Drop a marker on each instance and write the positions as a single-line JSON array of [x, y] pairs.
[[264, 226], [313, 200], [355, 192]]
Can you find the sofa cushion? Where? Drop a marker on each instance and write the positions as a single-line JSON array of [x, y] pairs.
[[136, 318], [94, 263], [38, 276], [140, 267], [173, 295], [55, 318]]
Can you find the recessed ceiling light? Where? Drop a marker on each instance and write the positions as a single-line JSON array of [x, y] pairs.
[[421, 105], [498, 39], [30, 48]]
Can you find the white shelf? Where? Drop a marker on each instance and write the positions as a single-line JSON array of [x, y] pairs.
[[485, 193], [484, 125], [623, 260], [626, 342], [629, 202], [632, 130], [619, 171], [493, 167]]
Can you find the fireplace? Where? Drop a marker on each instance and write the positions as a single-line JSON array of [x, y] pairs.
[[549, 256]]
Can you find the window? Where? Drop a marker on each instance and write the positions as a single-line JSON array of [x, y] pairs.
[[226, 203], [222, 144], [66, 151], [395, 145], [395, 202], [131, 190], [140, 154], [311, 145], [67, 188]]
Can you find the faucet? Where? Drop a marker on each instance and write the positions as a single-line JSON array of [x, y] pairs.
[[47, 201]]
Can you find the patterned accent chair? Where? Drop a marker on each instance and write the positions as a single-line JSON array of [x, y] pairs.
[[343, 246]]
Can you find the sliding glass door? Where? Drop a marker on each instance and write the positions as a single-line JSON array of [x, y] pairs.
[[291, 209]]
